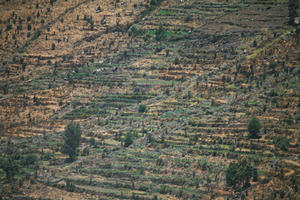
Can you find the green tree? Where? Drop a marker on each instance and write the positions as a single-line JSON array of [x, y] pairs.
[[29, 27], [239, 174], [71, 139], [154, 2], [254, 126], [29, 159], [1, 126], [10, 166], [255, 174], [160, 34], [281, 142], [5, 89], [292, 6], [134, 31], [9, 163], [128, 140], [142, 108]]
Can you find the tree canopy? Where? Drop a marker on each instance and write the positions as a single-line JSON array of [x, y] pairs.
[[281, 142], [239, 174], [71, 139], [9, 166], [160, 34], [254, 127], [293, 5], [142, 108]]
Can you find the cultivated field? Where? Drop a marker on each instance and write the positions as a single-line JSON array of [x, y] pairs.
[[202, 69]]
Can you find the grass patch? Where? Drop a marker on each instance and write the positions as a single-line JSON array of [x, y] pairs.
[[27, 170], [169, 33], [52, 142], [155, 82], [2, 175], [84, 112], [166, 12], [254, 103], [260, 172]]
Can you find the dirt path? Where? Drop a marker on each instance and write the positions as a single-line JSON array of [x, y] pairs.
[[291, 172], [291, 162]]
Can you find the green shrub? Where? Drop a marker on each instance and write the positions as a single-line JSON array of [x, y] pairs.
[[29, 159], [100, 123], [142, 108], [47, 156], [150, 138], [254, 127], [292, 7], [5, 89], [204, 166], [1, 126], [160, 34], [160, 162], [192, 122], [255, 174], [70, 187], [188, 18], [134, 31], [281, 142], [86, 151], [128, 140], [155, 2], [92, 141], [52, 2], [155, 197], [10, 166], [239, 174]]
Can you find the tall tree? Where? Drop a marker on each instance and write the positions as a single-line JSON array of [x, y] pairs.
[[293, 6], [239, 174], [10, 167], [9, 164], [160, 34], [71, 139], [128, 140]]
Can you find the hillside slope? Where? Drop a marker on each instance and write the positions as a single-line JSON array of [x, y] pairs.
[[202, 68]]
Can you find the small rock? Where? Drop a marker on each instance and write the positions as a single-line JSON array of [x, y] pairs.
[[297, 20]]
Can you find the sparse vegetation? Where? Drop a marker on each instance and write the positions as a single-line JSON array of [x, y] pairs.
[[149, 100], [134, 31]]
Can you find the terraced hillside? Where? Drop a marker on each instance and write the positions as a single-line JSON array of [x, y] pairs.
[[202, 68]]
